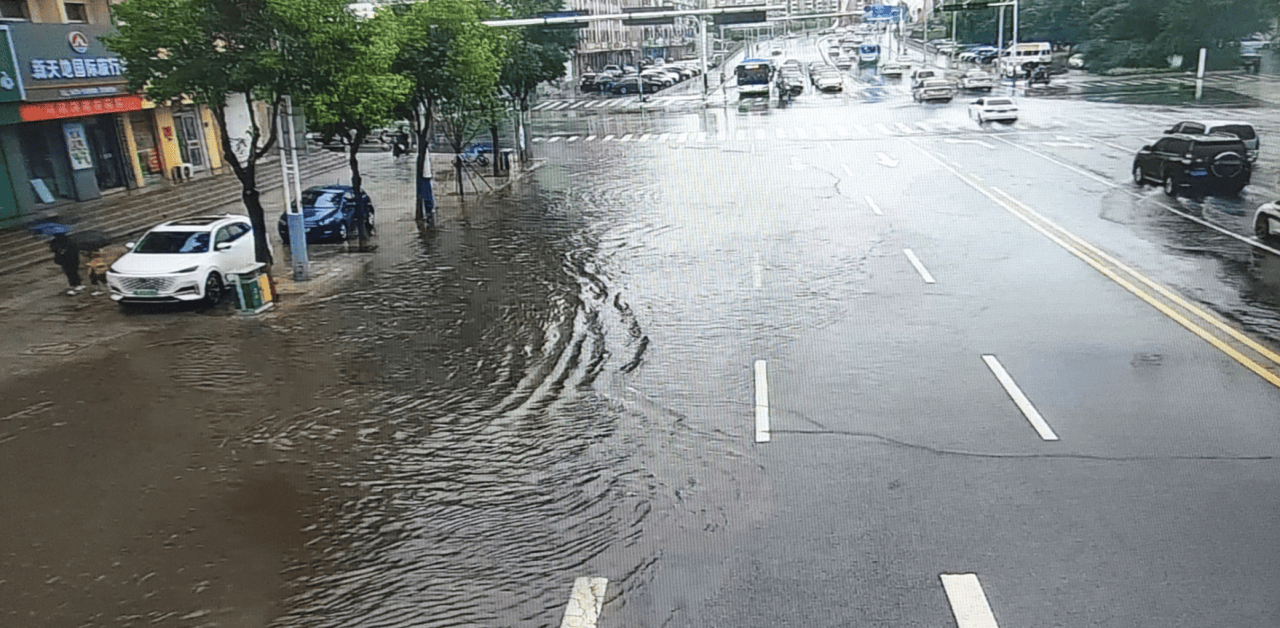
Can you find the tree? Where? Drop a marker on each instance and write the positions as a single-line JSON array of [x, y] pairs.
[[452, 61], [352, 88], [535, 55], [212, 50], [1146, 33]]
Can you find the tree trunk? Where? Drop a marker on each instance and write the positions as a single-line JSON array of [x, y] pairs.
[[361, 211], [457, 170], [493, 136], [247, 174]]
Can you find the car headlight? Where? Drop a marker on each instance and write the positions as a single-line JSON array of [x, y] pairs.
[[188, 270]]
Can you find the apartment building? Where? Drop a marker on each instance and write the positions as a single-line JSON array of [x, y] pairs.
[[608, 42]]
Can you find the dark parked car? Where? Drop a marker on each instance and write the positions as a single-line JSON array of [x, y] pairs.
[[1200, 162], [589, 84], [329, 213]]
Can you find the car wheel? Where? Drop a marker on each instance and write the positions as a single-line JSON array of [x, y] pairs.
[[342, 231], [1138, 176], [1170, 185], [212, 289], [1260, 228]]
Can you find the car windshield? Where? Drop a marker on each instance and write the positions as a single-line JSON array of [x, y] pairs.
[[173, 242], [1242, 131], [320, 198]]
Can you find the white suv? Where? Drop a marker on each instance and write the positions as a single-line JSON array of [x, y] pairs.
[[183, 260]]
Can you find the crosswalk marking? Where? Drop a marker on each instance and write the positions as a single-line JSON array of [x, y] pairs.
[[924, 127], [625, 138], [644, 138], [554, 139], [573, 138], [883, 129], [663, 137], [607, 137], [902, 127]]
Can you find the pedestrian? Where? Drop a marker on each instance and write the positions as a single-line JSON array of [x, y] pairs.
[[67, 255], [97, 272]]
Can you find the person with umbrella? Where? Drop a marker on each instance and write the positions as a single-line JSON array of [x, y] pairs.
[[67, 255]]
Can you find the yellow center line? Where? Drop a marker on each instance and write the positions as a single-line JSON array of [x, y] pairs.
[[1190, 325]]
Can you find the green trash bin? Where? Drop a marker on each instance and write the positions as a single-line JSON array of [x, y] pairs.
[[253, 291]]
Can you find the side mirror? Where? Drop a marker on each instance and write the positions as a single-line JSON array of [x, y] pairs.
[[1147, 147], [222, 246], [129, 245], [1167, 131]]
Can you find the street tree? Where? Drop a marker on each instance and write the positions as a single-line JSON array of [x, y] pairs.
[[352, 89], [535, 55], [213, 52], [452, 61]]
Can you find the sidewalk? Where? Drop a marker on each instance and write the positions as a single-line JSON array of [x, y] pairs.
[[45, 324]]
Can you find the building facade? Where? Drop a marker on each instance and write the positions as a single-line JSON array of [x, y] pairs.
[[610, 42], [69, 129]]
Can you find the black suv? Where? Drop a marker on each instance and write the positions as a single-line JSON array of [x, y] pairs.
[[1217, 162]]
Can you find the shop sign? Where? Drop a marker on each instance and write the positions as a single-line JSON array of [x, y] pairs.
[[11, 88], [77, 147], [60, 61], [78, 108]]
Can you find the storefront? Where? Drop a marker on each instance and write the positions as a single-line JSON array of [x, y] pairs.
[[79, 130]]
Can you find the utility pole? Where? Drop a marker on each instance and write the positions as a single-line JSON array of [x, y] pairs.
[[293, 212]]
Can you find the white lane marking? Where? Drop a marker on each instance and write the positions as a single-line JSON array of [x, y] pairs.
[[580, 103], [968, 601], [588, 138], [872, 204], [644, 138], [554, 139], [625, 138], [955, 140], [757, 276], [607, 137], [539, 139], [924, 127], [762, 403], [915, 261], [1033, 416], [886, 160], [572, 138], [902, 127], [585, 602], [847, 169], [883, 129]]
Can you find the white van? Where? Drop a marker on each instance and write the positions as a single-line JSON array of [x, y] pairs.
[[1015, 58]]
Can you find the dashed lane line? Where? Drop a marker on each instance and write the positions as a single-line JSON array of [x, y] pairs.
[[762, 402], [968, 601], [586, 600], [915, 261], [1019, 399], [875, 209]]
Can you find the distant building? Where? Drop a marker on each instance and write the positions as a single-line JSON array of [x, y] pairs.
[[607, 42]]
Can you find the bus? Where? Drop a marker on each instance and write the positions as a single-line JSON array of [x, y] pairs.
[[868, 54], [754, 77]]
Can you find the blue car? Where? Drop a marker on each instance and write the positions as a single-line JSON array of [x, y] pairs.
[[329, 213]]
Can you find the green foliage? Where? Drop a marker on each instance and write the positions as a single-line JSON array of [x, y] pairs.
[[535, 55], [351, 84]]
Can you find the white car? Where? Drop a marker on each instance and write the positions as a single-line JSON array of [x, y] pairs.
[[994, 108], [1266, 222], [977, 80], [183, 260], [933, 89], [894, 68], [829, 82]]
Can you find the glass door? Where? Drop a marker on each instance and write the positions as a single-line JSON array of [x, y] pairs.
[[190, 139]]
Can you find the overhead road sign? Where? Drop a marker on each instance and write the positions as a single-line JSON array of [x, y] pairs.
[[648, 21], [741, 18], [882, 13], [547, 21]]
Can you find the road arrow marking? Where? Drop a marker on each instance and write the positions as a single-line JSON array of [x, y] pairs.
[[952, 140], [885, 160]]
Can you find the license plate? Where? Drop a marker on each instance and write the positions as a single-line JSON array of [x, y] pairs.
[[150, 292], [1199, 173]]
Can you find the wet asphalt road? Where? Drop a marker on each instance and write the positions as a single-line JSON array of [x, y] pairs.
[[559, 383]]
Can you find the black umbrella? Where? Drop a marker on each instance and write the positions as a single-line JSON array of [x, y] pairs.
[[90, 240]]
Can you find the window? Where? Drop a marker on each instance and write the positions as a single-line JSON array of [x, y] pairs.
[[14, 10], [76, 12]]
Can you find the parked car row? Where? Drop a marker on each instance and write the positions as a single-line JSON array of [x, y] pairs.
[[629, 80]]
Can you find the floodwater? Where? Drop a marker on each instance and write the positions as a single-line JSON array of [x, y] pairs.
[[482, 418]]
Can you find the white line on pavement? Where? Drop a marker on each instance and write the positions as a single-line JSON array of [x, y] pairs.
[[588, 138], [607, 137], [585, 602], [572, 138], [625, 138], [915, 261], [902, 127], [1033, 416], [757, 276], [762, 403], [847, 169], [554, 139], [883, 129], [968, 601], [874, 208]]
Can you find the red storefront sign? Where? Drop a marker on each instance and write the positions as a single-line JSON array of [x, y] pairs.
[[79, 107]]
